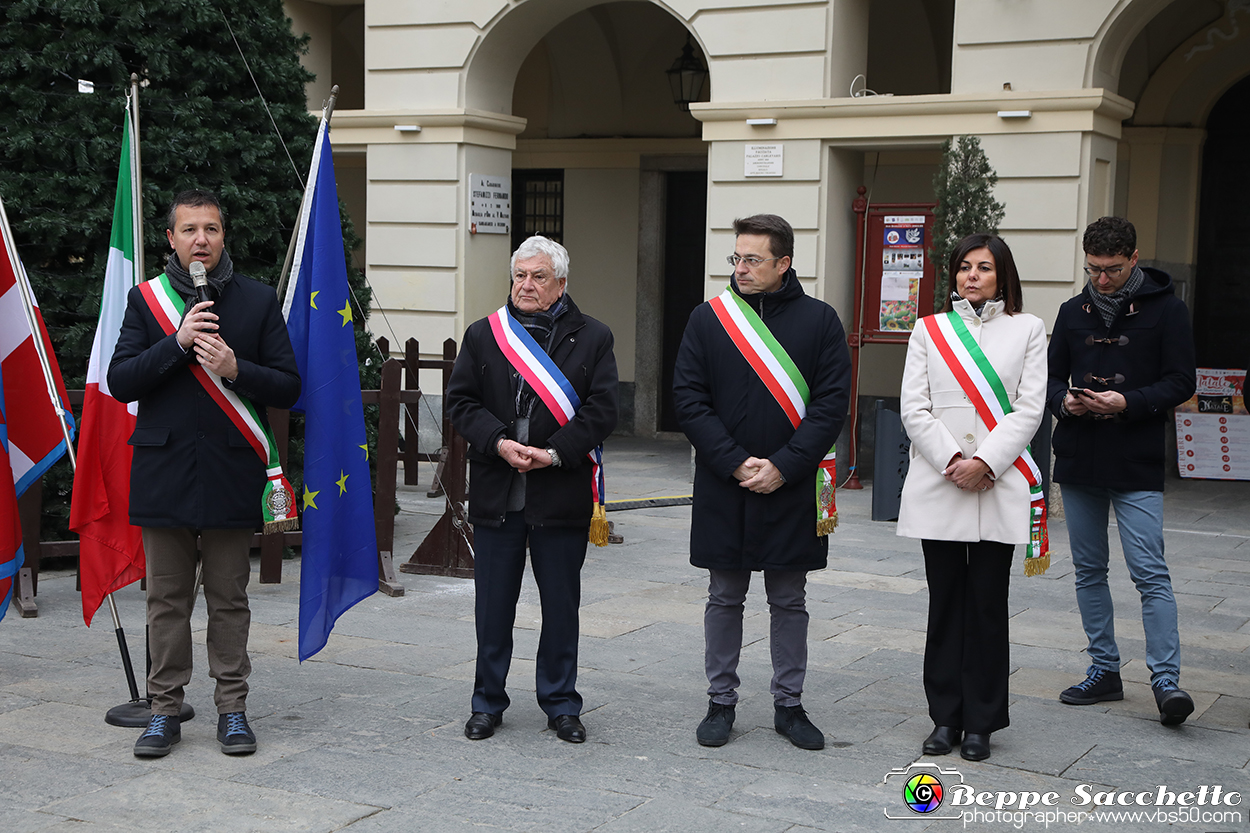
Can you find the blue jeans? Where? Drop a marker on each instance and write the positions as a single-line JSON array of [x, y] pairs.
[[1139, 516]]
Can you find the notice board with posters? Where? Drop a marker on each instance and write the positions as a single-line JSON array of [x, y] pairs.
[[896, 273], [1213, 428]]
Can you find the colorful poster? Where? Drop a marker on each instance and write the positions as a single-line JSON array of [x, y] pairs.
[[900, 296], [1213, 428]]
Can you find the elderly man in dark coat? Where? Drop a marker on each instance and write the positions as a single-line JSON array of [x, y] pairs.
[[194, 474], [532, 480], [755, 488]]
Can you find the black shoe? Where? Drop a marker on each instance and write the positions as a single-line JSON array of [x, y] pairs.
[[567, 727], [481, 725], [714, 730], [1174, 704], [1099, 685], [159, 738], [234, 735], [792, 722], [941, 740], [976, 747]]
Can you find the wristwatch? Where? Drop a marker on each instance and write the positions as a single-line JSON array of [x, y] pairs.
[[555, 455]]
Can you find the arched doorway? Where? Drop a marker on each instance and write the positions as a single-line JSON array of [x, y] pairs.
[[1223, 286]]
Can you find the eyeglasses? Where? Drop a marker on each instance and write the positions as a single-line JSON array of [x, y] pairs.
[[751, 260], [1093, 272], [539, 278]]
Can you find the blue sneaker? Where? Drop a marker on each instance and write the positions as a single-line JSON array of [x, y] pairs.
[[234, 735], [159, 738], [1174, 704], [1098, 685]]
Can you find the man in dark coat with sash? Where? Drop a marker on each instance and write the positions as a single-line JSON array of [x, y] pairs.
[[761, 388], [533, 390], [205, 466]]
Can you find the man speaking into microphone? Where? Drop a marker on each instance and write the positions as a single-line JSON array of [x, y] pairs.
[[205, 472]]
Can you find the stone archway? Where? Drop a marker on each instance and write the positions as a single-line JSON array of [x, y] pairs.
[[497, 58], [601, 138]]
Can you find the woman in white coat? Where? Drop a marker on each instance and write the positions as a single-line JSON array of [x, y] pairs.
[[963, 496]]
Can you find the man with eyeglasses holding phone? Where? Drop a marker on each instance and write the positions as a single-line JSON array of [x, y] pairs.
[[761, 387], [1121, 355]]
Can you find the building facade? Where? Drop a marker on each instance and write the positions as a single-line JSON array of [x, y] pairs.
[[1084, 107]]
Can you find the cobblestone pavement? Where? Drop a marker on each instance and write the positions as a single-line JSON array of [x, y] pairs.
[[367, 736]]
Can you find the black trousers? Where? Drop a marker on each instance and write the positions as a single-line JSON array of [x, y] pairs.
[[556, 556], [967, 652]]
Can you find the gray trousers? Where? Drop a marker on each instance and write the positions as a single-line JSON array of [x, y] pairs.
[[171, 582], [722, 632]]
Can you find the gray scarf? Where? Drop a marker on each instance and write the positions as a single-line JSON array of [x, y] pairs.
[[217, 279], [1108, 306]]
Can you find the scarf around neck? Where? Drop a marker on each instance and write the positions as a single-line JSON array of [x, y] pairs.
[[1108, 306], [541, 325], [221, 275]]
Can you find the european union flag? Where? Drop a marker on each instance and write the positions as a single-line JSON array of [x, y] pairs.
[[339, 564]]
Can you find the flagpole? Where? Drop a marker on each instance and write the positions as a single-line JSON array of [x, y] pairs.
[[138, 711], [326, 112], [136, 165]]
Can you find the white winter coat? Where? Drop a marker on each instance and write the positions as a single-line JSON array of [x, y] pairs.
[[942, 422]]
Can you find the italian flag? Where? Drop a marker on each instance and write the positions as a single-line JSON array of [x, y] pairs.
[[110, 549]]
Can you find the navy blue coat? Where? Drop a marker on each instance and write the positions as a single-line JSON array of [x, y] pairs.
[[1153, 368], [192, 467], [729, 415], [481, 403]]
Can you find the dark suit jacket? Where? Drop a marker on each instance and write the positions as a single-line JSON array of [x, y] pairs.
[[192, 467]]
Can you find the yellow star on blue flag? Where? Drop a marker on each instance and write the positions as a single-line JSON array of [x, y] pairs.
[[338, 561]]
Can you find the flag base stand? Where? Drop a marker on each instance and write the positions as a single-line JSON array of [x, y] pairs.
[[137, 713]]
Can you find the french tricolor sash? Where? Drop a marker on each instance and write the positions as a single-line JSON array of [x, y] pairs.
[[556, 392], [278, 499], [781, 376], [981, 383]]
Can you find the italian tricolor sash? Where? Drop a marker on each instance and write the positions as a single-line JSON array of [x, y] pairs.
[[981, 383], [781, 376], [556, 392], [277, 500]]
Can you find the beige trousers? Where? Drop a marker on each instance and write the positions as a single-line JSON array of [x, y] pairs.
[[171, 558]]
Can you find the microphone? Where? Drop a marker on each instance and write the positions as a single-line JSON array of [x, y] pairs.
[[200, 279]]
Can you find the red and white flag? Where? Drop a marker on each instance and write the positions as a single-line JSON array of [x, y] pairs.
[[36, 439], [110, 550]]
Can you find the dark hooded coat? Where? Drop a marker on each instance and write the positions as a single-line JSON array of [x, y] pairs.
[[1147, 354]]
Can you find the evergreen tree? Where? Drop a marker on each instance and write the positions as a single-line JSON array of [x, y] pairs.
[[203, 125], [964, 188]]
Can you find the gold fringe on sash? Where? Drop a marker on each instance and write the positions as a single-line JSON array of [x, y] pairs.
[[1037, 566], [282, 525], [599, 526], [826, 526]]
